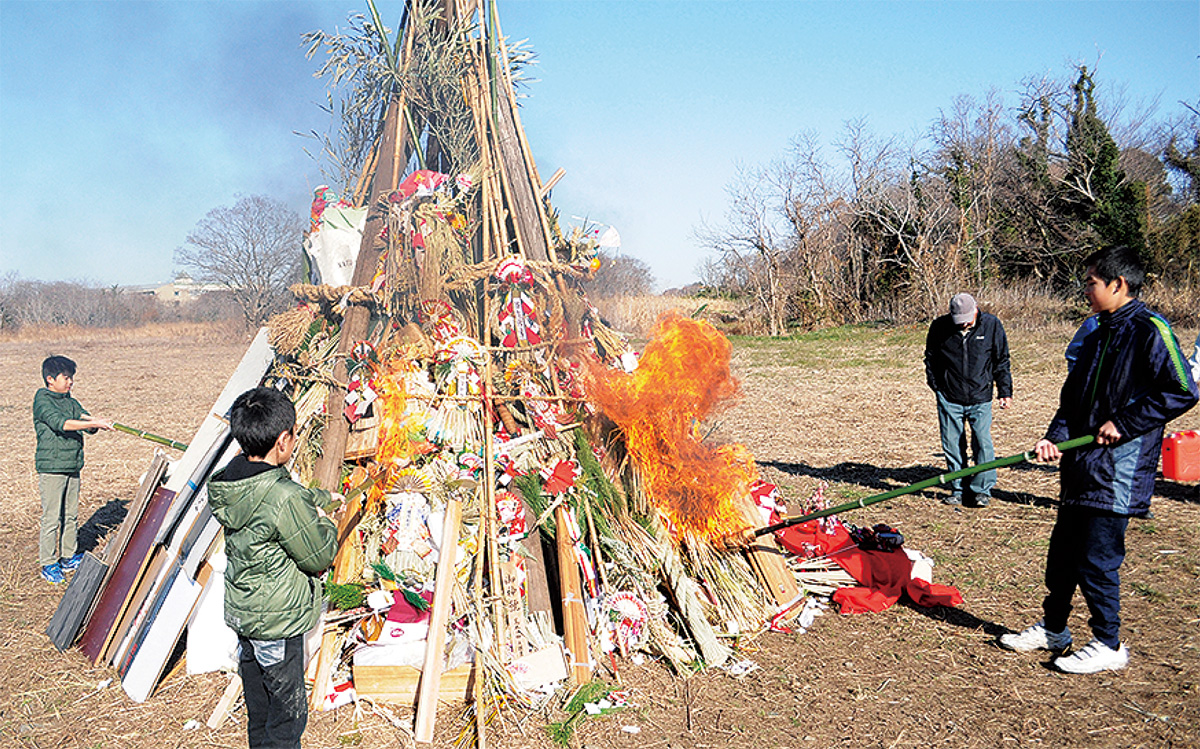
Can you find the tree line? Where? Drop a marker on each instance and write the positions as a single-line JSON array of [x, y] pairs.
[[251, 250], [988, 195]]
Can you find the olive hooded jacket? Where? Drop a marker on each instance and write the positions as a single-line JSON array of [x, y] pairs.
[[277, 547], [58, 451]]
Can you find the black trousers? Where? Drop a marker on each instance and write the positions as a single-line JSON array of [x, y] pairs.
[[273, 681], [1087, 548]]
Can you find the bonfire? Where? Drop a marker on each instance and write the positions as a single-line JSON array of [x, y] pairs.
[[528, 500]]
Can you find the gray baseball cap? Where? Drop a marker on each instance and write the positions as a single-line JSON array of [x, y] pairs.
[[963, 308]]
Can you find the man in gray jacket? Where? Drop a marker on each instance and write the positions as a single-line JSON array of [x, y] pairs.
[[966, 352]]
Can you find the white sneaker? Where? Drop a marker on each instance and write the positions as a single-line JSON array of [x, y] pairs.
[[1037, 637], [1093, 658]]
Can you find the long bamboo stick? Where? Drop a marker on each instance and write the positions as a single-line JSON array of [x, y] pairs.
[[911, 488]]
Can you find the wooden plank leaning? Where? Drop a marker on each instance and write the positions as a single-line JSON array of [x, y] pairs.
[[79, 601], [435, 644]]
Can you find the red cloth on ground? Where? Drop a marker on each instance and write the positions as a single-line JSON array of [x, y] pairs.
[[884, 575]]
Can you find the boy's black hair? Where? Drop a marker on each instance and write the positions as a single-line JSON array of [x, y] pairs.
[[53, 366], [1120, 261], [257, 419]]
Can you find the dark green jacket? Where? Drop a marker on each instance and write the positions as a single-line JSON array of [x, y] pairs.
[[277, 547], [58, 451]]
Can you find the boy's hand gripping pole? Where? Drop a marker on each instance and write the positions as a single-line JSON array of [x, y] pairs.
[[745, 537], [368, 484]]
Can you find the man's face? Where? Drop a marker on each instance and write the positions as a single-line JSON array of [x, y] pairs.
[[60, 383], [966, 325]]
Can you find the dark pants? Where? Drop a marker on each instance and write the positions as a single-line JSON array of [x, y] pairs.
[[1087, 548], [273, 682]]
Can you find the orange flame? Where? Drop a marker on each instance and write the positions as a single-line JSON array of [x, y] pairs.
[[683, 377], [399, 425]]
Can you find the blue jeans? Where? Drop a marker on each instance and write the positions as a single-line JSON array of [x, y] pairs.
[[952, 420], [1087, 548]]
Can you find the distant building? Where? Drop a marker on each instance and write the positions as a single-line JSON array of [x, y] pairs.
[[182, 290]]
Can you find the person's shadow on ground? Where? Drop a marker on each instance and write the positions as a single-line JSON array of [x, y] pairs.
[[102, 522], [1177, 492]]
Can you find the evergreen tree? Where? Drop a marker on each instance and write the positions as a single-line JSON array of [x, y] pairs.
[[1094, 187]]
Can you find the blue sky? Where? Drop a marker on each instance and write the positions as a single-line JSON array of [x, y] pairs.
[[123, 123]]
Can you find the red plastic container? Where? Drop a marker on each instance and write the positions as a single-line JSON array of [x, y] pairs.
[[1181, 456]]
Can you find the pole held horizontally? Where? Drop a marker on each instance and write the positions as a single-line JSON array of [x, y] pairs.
[[148, 436], [911, 488]]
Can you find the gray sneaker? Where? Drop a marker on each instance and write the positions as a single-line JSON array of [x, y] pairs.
[[954, 500], [1093, 658], [1037, 637], [981, 500]]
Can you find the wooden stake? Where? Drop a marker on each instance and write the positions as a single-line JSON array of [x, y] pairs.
[[435, 645], [221, 711], [554, 178], [328, 471], [575, 631]]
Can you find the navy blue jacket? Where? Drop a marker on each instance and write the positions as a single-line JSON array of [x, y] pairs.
[[963, 368], [1132, 372]]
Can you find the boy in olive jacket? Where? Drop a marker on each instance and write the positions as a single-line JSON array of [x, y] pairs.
[[278, 540], [59, 422]]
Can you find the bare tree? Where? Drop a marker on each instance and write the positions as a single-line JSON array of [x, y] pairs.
[[251, 248], [971, 143], [754, 241], [621, 275]]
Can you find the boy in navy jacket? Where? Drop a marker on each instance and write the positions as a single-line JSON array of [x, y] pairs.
[[1130, 380]]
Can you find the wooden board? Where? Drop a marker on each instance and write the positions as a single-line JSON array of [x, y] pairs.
[[154, 476], [435, 643], [76, 602], [537, 577], [134, 612], [170, 613], [79, 601], [173, 598], [575, 626], [767, 559], [363, 438], [343, 561], [399, 684], [187, 474], [186, 509], [522, 196], [125, 575]]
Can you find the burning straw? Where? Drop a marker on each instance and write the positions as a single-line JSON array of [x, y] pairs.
[[682, 379]]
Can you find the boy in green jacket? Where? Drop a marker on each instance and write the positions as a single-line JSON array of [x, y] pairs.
[[278, 541], [59, 422]]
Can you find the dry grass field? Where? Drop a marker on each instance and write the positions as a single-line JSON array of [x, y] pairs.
[[848, 407]]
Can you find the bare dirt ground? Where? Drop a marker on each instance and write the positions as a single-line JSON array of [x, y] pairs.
[[849, 408]]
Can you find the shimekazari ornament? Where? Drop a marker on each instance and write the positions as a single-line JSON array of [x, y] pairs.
[[518, 326]]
